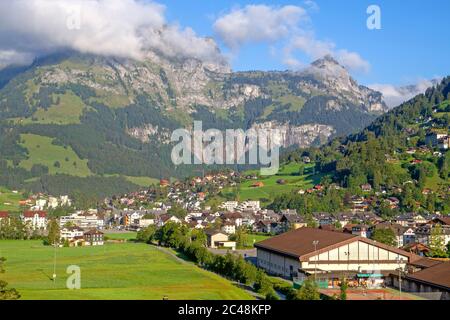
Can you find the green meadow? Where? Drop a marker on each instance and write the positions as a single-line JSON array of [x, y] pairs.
[[128, 271], [9, 201], [288, 174], [41, 150]]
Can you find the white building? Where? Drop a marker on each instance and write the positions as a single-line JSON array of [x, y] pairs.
[[330, 255], [35, 219], [83, 220], [71, 233], [229, 205], [229, 228]]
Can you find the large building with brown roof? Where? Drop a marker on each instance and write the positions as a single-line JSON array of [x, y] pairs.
[[307, 251], [432, 282]]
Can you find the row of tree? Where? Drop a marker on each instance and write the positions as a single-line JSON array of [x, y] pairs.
[[192, 243]]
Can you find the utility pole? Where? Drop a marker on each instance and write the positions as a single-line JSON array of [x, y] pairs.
[[315, 243], [399, 261]]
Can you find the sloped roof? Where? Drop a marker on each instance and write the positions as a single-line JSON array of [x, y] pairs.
[[438, 275], [299, 243]]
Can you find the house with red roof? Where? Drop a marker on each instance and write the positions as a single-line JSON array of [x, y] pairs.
[[35, 219]]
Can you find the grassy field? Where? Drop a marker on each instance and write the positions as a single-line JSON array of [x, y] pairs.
[[271, 188], [114, 271], [42, 151], [9, 201], [67, 111], [121, 235], [255, 238]]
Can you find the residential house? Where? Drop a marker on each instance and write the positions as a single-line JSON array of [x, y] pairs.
[[217, 240], [94, 237], [166, 218], [404, 235], [290, 222], [366, 188], [229, 228]]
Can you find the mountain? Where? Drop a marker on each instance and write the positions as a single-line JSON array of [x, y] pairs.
[[70, 118], [406, 148]]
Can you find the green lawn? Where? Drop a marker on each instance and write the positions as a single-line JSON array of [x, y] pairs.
[[255, 238], [271, 188], [114, 271], [9, 201], [122, 236], [67, 111], [42, 151]]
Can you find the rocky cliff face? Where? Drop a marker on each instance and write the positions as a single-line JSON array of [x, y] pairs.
[[132, 107]]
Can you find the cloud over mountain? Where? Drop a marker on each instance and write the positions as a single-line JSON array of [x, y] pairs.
[[289, 26], [122, 28], [396, 95]]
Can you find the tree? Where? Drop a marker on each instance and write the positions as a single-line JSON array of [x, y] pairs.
[[177, 211], [437, 242], [53, 233], [301, 170], [5, 293], [309, 290], [343, 289], [146, 235], [262, 283], [385, 235]]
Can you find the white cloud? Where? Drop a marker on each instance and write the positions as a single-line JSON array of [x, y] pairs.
[[12, 57], [396, 95], [258, 23], [316, 49], [122, 28], [289, 26]]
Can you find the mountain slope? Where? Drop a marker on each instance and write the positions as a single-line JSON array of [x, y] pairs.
[[118, 115]]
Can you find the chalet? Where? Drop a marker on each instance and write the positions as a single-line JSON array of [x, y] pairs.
[[36, 219], [329, 255], [166, 218], [234, 218], [94, 237], [392, 202], [216, 240], [417, 248], [73, 235], [289, 222], [324, 218], [344, 218]]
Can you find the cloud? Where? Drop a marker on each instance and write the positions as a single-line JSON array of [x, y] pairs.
[[289, 26], [258, 23], [12, 57], [316, 49], [396, 95], [122, 28]]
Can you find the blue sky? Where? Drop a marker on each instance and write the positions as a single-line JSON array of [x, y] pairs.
[[413, 43]]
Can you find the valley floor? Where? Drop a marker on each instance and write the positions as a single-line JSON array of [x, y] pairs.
[[128, 271]]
